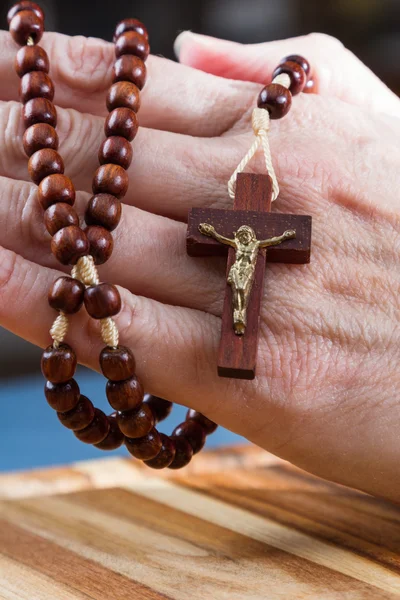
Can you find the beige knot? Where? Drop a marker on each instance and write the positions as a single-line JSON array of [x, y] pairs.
[[260, 121]]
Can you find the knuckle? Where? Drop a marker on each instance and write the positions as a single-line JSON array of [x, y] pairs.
[[11, 134], [73, 127], [325, 40]]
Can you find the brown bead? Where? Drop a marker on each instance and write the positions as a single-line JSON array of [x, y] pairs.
[[122, 122], [208, 425], [43, 163], [298, 77], [104, 210], [62, 397], [101, 243], [136, 423], [193, 432], [66, 294], [117, 364], [300, 60], [96, 431], [145, 448], [166, 455], [31, 58], [132, 42], [39, 110], [116, 150], [60, 216], [160, 408], [183, 453], [56, 188], [59, 364], [115, 437], [36, 84], [24, 5], [130, 25], [130, 68], [276, 99], [79, 417], [102, 301], [110, 179], [310, 87], [69, 245], [26, 24], [125, 395], [123, 94], [40, 136]]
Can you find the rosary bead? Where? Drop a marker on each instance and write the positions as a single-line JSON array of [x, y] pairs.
[[122, 122], [110, 179], [136, 423], [102, 301], [125, 395], [96, 431], [130, 25], [31, 58], [66, 294], [310, 87], [166, 455], [59, 364], [193, 432], [298, 78], [56, 188], [123, 94], [69, 245], [300, 60], [160, 408], [39, 110], [117, 364], [62, 397], [101, 243], [116, 150], [36, 84], [276, 99], [183, 453], [40, 136], [208, 425], [145, 448], [130, 68], [26, 24], [79, 417], [43, 163], [104, 210], [115, 438], [60, 216], [25, 5], [132, 42]]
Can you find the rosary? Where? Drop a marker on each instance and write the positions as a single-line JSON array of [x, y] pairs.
[[249, 234]]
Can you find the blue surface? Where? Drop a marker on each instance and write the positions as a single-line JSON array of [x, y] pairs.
[[31, 435]]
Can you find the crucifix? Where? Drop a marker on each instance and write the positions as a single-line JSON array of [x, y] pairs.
[[250, 235]]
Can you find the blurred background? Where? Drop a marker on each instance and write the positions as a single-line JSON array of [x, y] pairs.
[[30, 434]]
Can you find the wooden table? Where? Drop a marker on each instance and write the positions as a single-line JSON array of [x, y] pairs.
[[238, 524]]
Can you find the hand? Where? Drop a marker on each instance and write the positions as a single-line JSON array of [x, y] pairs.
[[328, 378], [206, 229]]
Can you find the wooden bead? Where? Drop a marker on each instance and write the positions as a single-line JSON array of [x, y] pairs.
[[166, 455], [125, 395], [115, 438], [116, 150], [104, 210], [43, 163], [26, 24], [79, 417], [183, 453], [59, 364], [40, 136], [60, 216], [25, 5], [276, 99], [300, 60], [132, 42], [160, 408], [31, 58], [96, 431], [208, 425], [39, 110], [193, 432], [56, 188], [117, 364], [298, 77], [101, 243], [123, 94], [62, 397], [130, 25], [122, 122], [69, 245], [102, 301], [310, 87], [130, 68], [145, 448], [66, 294], [110, 179], [136, 423], [36, 84]]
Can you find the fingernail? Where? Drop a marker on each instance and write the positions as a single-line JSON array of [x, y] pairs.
[[197, 38], [178, 43]]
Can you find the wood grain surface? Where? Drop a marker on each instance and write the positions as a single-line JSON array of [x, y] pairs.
[[237, 524]]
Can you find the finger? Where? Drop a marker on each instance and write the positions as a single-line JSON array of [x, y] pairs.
[[336, 71]]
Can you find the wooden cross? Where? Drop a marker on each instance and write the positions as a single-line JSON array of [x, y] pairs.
[[238, 353]]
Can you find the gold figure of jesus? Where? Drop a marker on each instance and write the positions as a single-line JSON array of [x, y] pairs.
[[241, 273]]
